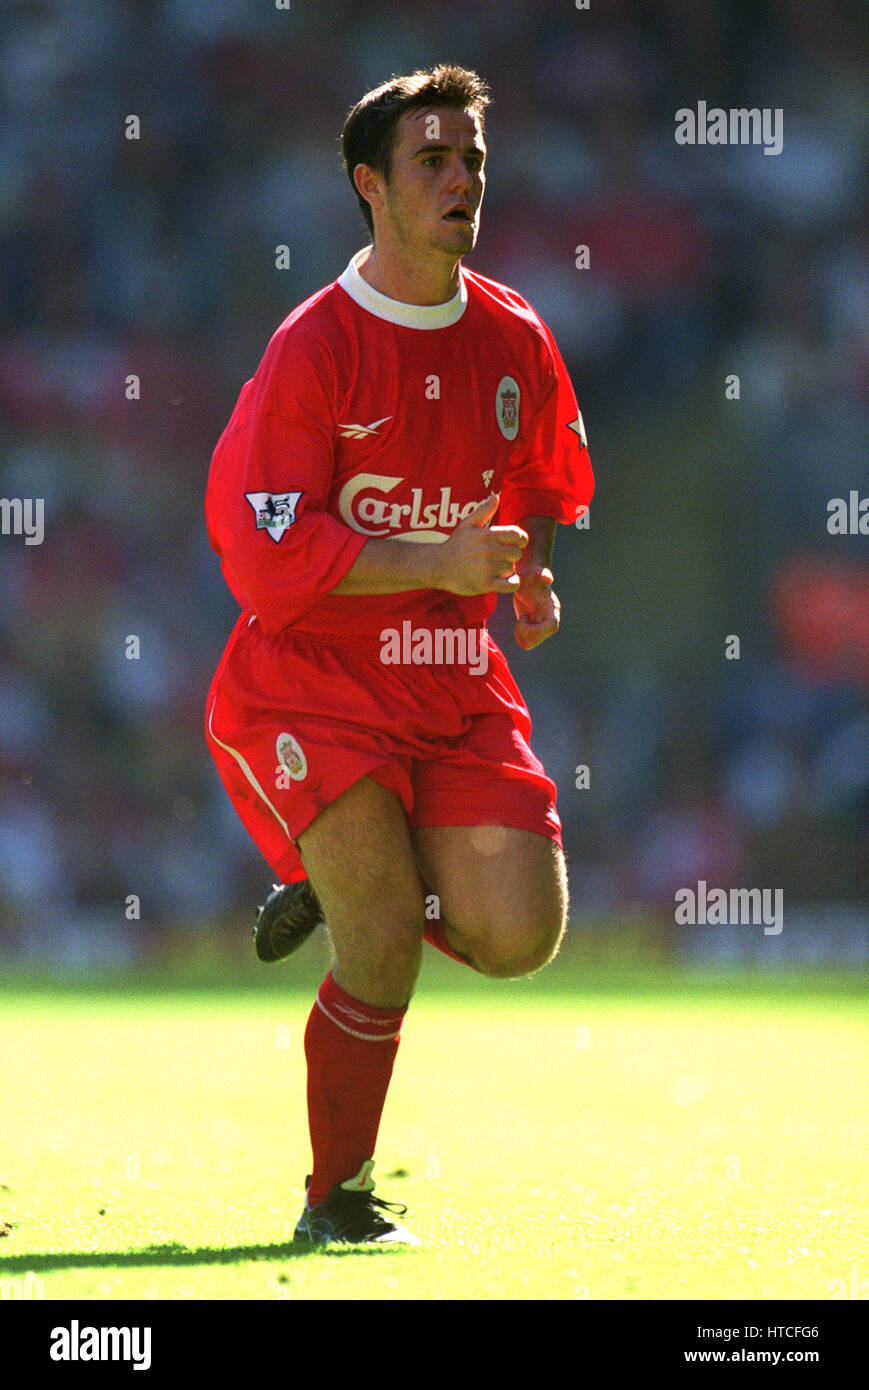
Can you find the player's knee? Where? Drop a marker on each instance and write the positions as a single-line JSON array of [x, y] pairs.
[[513, 949]]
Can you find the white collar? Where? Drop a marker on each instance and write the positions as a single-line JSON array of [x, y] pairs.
[[395, 310]]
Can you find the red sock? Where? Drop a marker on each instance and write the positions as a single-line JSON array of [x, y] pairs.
[[350, 1049], [433, 933]]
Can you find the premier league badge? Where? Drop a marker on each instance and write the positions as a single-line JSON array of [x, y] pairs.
[[274, 511]]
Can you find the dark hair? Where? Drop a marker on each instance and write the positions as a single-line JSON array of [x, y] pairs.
[[368, 136]]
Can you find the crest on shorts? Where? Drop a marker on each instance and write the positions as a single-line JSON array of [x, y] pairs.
[[274, 511], [507, 407], [291, 758]]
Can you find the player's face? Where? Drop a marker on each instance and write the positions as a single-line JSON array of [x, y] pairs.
[[432, 199]]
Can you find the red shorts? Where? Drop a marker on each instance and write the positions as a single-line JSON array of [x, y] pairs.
[[292, 721]]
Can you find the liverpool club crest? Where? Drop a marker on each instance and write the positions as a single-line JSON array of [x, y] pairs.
[[507, 407]]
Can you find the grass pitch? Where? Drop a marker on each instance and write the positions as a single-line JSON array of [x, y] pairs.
[[552, 1138]]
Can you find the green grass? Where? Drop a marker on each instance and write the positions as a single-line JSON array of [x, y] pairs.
[[679, 1140]]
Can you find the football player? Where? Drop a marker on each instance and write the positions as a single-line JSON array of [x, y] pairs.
[[402, 455]]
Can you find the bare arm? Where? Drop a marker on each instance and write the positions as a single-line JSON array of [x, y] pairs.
[[389, 567], [541, 542], [476, 559]]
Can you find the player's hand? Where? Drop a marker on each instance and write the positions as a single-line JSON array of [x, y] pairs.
[[536, 606], [479, 558]]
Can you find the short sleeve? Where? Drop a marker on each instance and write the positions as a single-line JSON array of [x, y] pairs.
[[552, 476]]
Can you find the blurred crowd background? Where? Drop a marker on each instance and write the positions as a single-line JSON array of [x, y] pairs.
[[156, 257]]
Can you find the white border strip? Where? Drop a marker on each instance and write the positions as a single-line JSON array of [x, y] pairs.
[[369, 1037], [396, 310], [247, 772]]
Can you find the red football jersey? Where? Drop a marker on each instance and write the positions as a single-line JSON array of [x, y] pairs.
[[371, 417]]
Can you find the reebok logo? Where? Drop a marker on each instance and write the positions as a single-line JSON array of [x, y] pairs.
[[362, 431], [356, 1016]]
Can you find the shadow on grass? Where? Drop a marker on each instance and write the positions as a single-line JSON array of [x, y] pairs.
[[179, 1255]]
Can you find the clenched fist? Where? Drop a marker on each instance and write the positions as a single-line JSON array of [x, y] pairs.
[[536, 606]]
